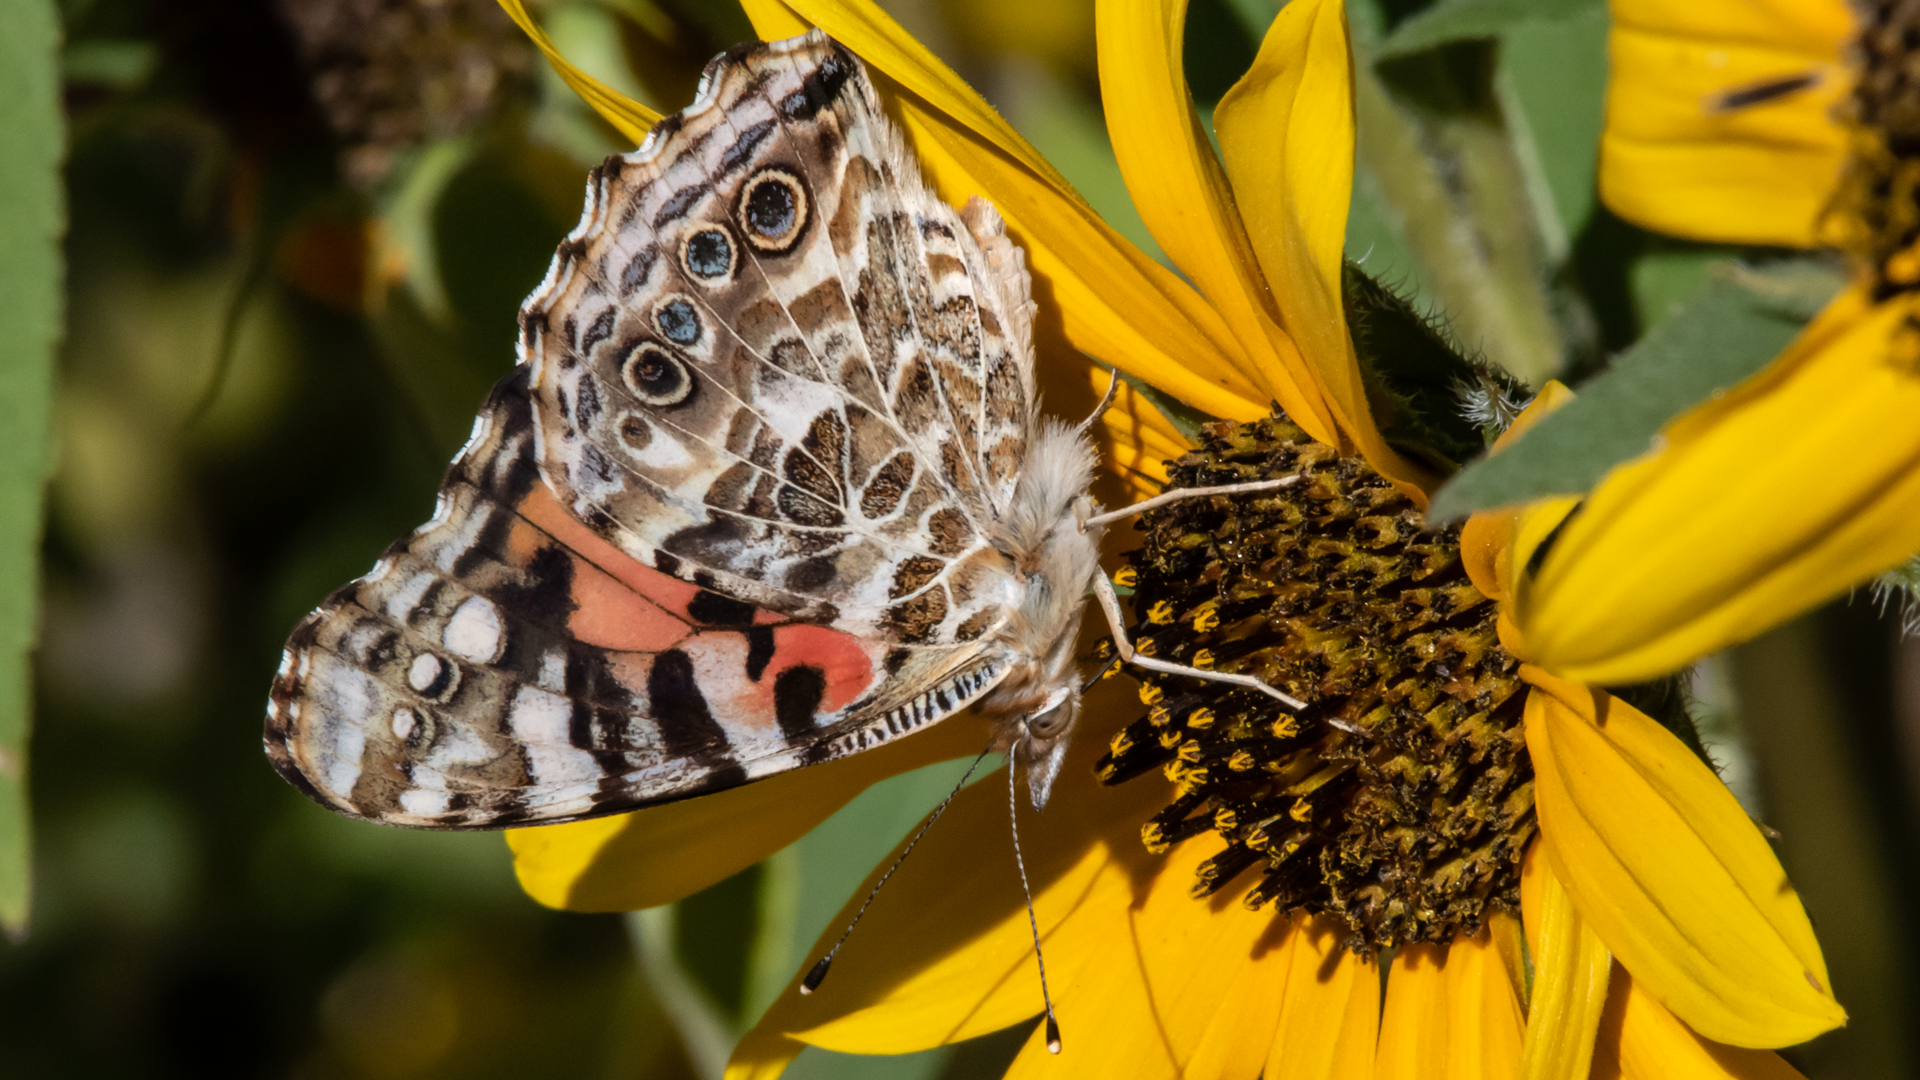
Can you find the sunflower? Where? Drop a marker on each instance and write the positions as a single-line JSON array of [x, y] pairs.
[[1793, 124], [1555, 880]]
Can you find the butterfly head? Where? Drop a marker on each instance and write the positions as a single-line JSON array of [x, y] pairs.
[[1042, 746]]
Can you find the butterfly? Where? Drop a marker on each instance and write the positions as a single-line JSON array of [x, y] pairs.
[[767, 486]]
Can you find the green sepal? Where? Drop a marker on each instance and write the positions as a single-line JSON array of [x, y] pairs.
[[1185, 419], [1465, 20], [1417, 382], [1729, 331]]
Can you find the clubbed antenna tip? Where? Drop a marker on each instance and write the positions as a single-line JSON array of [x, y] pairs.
[[817, 975]]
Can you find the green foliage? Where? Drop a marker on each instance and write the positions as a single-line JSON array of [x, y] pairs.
[[1726, 333], [1418, 384], [32, 217], [1464, 20]]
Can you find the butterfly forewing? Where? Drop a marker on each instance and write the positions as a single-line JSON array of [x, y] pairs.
[[730, 514]]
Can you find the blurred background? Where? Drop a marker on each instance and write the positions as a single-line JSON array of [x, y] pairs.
[[298, 232]]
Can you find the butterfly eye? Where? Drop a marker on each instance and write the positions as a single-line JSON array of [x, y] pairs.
[[773, 210], [656, 376], [708, 255], [1048, 724]]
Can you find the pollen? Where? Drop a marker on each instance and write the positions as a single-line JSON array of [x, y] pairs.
[[1126, 578], [1207, 618], [1401, 798]]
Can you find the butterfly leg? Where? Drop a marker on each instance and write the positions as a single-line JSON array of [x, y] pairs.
[[1177, 494], [1110, 604]]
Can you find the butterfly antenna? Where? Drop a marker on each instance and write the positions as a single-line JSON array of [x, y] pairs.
[[818, 973], [1013, 817], [1106, 401], [1112, 662]]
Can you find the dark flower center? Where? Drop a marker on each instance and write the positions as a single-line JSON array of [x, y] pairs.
[[1401, 798], [1881, 188]]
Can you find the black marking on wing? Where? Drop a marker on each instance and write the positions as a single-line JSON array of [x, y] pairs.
[[687, 726], [635, 275], [759, 651], [598, 331], [676, 207], [742, 150], [796, 701], [820, 87], [717, 610]]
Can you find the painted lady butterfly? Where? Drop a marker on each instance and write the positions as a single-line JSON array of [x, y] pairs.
[[767, 487]]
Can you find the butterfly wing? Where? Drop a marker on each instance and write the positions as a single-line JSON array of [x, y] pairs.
[[504, 666], [731, 513], [770, 361]]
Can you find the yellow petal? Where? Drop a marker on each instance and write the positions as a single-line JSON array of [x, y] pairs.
[[1096, 291], [1487, 539], [1787, 492], [631, 118], [660, 854], [886, 46], [1451, 1014], [1182, 194], [1413, 1023], [1286, 135], [1112, 301], [1669, 871], [1570, 968], [1672, 160], [1641, 1040], [944, 953], [1329, 1020], [1149, 1002], [1137, 440], [762, 1055]]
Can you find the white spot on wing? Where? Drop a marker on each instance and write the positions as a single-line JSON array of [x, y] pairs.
[[474, 633], [553, 670], [401, 604], [344, 770], [423, 803], [403, 721], [540, 721], [426, 668]]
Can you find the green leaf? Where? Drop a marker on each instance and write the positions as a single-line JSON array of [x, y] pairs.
[[32, 217], [1185, 419], [1462, 20], [1730, 330], [1415, 378]]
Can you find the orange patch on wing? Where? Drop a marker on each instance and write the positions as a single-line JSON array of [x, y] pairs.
[[612, 616], [665, 590], [617, 601], [850, 664]]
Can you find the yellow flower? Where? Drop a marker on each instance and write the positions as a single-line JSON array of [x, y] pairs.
[[1725, 123], [1660, 934]]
